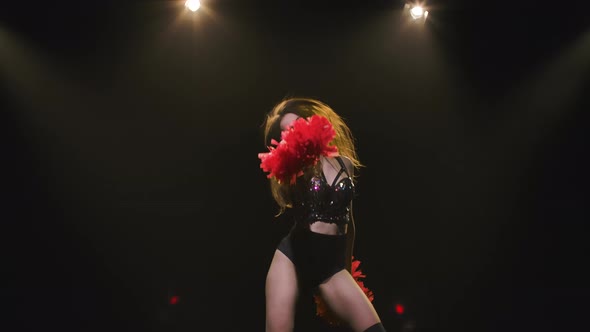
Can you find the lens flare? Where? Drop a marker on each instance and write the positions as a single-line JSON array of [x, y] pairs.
[[192, 5], [417, 12]]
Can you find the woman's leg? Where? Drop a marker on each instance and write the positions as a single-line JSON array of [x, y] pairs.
[[348, 301], [281, 294]]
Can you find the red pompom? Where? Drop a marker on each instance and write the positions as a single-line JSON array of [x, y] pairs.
[[322, 309], [301, 146], [357, 274]]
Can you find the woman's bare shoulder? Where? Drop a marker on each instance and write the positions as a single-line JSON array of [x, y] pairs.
[[348, 163]]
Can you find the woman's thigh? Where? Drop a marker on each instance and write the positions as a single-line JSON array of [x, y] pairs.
[[281, 294], [348, 301]]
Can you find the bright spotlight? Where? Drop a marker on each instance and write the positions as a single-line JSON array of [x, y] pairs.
[[417, 12], [192, 5]]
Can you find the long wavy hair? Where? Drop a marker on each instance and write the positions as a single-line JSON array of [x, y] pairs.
[[305, 107]]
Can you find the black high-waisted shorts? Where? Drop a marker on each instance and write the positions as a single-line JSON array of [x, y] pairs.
[[316, 256]]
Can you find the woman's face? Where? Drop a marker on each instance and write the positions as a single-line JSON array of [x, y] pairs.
[[288, 119]]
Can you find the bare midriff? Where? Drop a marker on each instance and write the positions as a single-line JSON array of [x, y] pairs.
[[327, 228]]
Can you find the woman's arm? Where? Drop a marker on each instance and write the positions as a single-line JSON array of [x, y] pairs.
[[350, 233]]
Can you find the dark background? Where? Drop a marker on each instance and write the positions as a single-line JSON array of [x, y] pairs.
[[130, 171]]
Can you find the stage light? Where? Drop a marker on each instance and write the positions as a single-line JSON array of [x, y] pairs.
[[174, 299], [399, 309], [192, 5], [417, 12]]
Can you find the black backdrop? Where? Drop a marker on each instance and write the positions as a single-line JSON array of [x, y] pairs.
[[131, 171]]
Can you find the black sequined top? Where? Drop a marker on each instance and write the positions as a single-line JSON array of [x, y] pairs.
[[316, 200]]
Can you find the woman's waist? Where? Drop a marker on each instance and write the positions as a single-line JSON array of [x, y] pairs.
[[322, 227]]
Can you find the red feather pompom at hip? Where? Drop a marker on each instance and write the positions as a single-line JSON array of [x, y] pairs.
[[322, 309], [300, 147]]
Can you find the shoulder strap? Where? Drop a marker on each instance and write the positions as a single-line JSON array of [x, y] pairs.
[[342, 165], [342, 170]]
